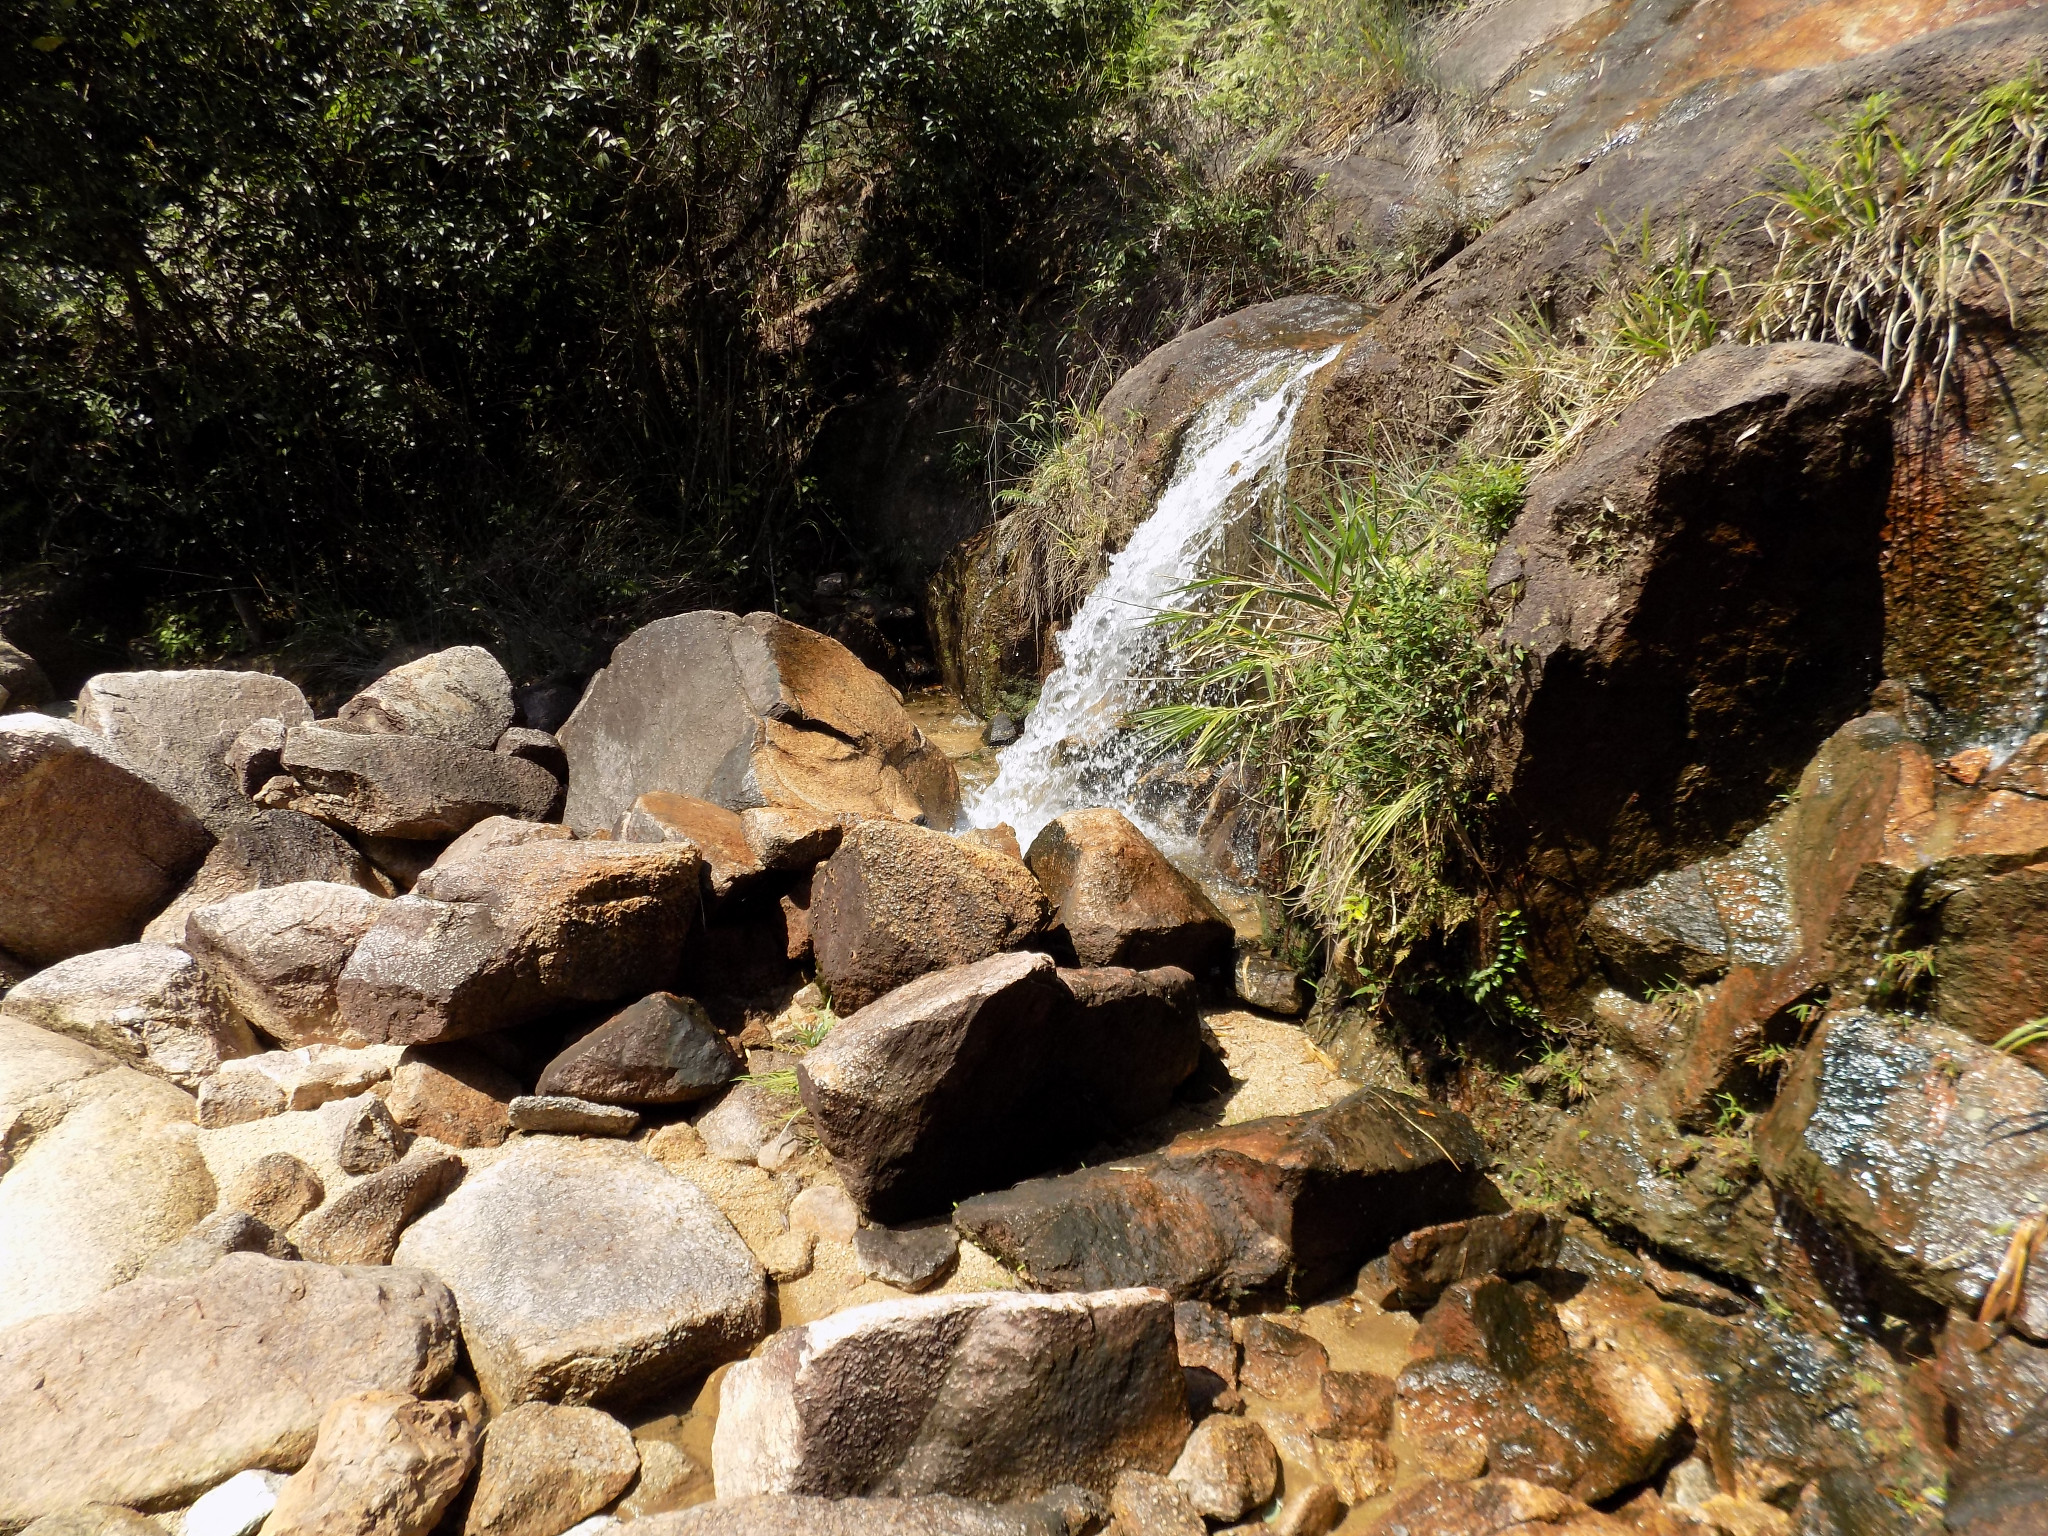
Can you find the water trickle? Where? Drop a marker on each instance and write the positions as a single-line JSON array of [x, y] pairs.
[[1078, 748]]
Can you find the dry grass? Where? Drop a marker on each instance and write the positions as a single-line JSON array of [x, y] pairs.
[[1052, 535]]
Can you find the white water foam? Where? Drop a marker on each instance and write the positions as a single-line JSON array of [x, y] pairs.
[[1078, 748]]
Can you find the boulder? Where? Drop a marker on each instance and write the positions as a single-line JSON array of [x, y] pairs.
[[910, 1259], [361, 1135], [459, 1100], [1288, 1204], [149, 1005], [1697, 596], [276, 1082], [1121, 901], [970, 1078], [460, 695], [1991, 954], [94, 1520], [720, 835], [1208, 1353], [537, 747], [790, 837], [256, 755], [176, 728], [989, 1395], [748, 712], [101, 1172], [169, 1386], [90, 849], [1418, 1266], [561, 1115], [280, 952], [518, 933], [1147, 1502], [2003, 1493], [23, 684], [1281, 1362], [1228, 1468], [586, 1271], [277, 1189], [1267, 983], [897, 902], [1493, 1506], [266, 848], [663, 1049], [409, 787], [362, 1224], [1496, 1371], [495, 832], [1910, 1140], [1993, 1381], [213, 1239], [546, 1467], [384, 1464], [937, 1515]]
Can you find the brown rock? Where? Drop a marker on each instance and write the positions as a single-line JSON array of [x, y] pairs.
[[385, 1464], [172, 1386], [23, 683], [718, 834], [933, 1515], [669, 1478], [409, 787], [663, 1049], [1311, 1511], [1419, 1265], [541, 748], [277, 1189], [1146, 1504], [266, 848], [1119, 899], [1358, 1469], [1493, 1506], [362, 1134], [587, 1271], [459, 695], [89, 848], [964, 1080], [362, 1224], [1280, 1361], [1356, 1405], [280, 953], [459, 1100], [1698, 595], [792, 838], [176, 729], [1991, 954], [149, 1005], [545, 1468], [2004, 1493], [1208, 1352], [1227, 1468], [95, 1520], [1898, 1134], [495, 832], [910, 1258], [1289, 1203], [517, 933], [560, 1115], [897, 902], [744, 713], [1992, 1381], [256, 755], [989, 1395]]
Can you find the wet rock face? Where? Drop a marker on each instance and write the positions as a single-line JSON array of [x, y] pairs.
[[993, 1395], [2004, 1494], [1417, 1268], [1991, 955], [1697, 592], [1119, 899], [89, 849], [897, 902], [967, 1079], [1285, 1204], [1919, 1145], [748, 712]]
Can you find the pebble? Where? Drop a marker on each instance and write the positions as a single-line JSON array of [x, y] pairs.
[[825, 1210], [571, 1117]]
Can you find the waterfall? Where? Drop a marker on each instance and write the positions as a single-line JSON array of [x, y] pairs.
[[1077, 748]]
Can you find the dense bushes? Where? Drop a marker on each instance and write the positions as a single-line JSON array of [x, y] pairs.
[[498, 317]]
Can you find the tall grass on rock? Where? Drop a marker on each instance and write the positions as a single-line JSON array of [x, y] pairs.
[[1356, 685]]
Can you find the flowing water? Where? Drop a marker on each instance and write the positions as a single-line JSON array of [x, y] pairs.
[[1078, 747]]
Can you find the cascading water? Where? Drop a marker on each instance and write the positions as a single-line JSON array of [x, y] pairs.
[[1078, 748]]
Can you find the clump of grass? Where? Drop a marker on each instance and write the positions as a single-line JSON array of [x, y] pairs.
[[1890, 236], [1541, 389], [1354, 682], [1053, 533]]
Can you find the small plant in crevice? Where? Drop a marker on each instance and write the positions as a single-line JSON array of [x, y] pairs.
[[1903, 977], [1890, 236]]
